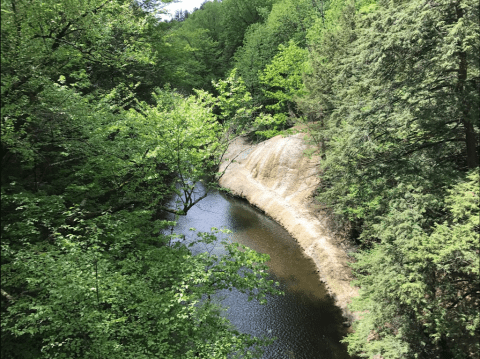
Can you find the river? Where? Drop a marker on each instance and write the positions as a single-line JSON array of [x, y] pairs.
[[306, 322]]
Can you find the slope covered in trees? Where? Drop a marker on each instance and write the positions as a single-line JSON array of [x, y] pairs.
[[87, 168], [399, 104], [390, 93], [107, 112]]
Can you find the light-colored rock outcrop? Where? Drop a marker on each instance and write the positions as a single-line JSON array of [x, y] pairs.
[[278, 178]]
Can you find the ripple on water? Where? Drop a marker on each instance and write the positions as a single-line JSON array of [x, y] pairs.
[[306, 322]]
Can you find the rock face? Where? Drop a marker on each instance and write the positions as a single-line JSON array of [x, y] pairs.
[[278, 178]]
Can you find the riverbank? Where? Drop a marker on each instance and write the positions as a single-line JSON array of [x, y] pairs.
[[279, 179]]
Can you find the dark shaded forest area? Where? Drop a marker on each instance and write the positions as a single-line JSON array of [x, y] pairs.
[[107, 112]]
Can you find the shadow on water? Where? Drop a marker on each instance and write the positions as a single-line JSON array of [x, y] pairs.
[[306, 322]]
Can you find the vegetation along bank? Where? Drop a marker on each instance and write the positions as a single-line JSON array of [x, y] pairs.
[[107, 111]]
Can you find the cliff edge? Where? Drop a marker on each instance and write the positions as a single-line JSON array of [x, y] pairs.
[[278, 178]]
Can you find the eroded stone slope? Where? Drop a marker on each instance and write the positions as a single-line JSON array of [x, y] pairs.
[[278, 178]]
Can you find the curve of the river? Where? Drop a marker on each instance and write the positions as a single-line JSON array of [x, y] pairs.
[[306, 322]]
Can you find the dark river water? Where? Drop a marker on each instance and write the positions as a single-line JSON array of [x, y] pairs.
[[305, 320]]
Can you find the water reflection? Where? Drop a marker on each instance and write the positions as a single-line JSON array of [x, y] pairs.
[[305, 321]]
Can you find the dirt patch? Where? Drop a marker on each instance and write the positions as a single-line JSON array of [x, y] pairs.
[[278, 178]]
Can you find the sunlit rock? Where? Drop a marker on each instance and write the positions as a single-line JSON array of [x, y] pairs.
[[278, 178]]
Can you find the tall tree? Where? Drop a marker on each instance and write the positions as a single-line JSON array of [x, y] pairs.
[[401, 114], [288, 20], [237, 17], [282, 83], [399, 99], [86, 170], [420, 287]]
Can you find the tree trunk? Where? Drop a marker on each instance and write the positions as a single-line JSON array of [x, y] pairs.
[[470, 138], [471, 142]]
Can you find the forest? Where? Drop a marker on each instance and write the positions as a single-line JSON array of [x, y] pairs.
[[107, 112]]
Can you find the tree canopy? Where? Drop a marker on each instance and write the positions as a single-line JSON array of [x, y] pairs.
[[394, 86], [89, 163], [107, 112]]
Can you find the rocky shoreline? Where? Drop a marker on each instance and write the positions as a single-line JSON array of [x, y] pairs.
[[276, 177]]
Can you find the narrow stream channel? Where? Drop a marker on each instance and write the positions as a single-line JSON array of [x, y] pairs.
[[306, 322]]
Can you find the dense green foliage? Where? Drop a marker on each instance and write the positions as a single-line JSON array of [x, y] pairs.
[[282, 83], [288, 20], [420, 285], [261, 39], [90, 157], [108, 112], [393, 88], [202, 46]]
